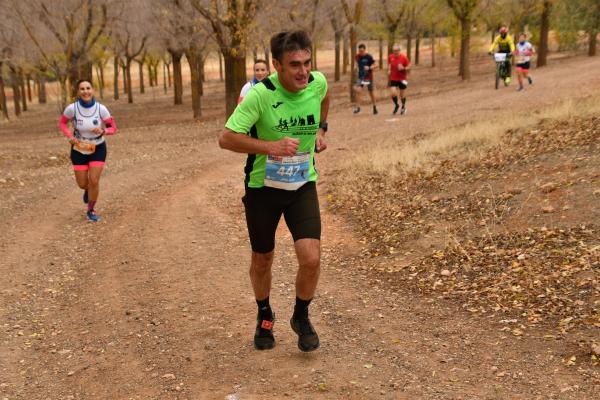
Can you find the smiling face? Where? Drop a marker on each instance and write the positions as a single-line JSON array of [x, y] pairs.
[[86, 91], [294, 69], [261, 71]]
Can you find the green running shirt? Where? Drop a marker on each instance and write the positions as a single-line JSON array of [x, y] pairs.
[[270, 112]]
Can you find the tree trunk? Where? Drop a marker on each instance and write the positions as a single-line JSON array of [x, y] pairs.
[[150, 74], [267, 57], [314, 56], [129, 85], [235, 78], [141, 75], [3, 106], [353, 40], [417, 45], [542, 58], [345, 53], [432, 49], [41, 79], [28, 81], [465, 41], [391, 38], [337, 41], [15, 88], [125, 84], [380, 43], [102, 82], [116, 78], [169, 79], [202, 74], [23, 90], [100, 87], [592, 43], [165, 78], [192, 57], [221, 79], [254, 54], [177, 77], [409, 46]]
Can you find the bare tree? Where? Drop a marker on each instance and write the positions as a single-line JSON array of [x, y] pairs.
[[464, 11], [230, 21], [542, 58], [353, 17], [339, 24], [75, 27], [304, 14]]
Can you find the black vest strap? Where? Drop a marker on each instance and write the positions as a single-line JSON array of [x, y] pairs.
[[267, 82]]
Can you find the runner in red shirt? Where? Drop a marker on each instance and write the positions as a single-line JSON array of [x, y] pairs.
[[399, 68]]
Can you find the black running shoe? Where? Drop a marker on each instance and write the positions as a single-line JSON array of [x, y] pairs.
[[529, 80], [308, 340], [85, 196], [263, 337], [356, 110], [396, 108], [375, 112]]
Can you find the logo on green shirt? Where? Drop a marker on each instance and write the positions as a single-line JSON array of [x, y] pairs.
[[297, 125]]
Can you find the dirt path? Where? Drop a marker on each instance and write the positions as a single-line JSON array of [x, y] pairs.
[[155, 302]]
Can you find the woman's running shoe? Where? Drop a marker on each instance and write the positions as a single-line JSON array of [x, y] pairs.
[[530, 80], [91, 216]]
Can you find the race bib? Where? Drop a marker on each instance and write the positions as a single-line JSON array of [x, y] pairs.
[[288, 173], [520, 59], [85, 147]]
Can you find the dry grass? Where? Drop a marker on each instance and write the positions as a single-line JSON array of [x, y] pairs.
[[467, 142]]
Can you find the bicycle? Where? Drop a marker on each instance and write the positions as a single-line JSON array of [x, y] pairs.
[[502, 68]]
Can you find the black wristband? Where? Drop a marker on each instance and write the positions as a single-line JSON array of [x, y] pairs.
[[323, 125]]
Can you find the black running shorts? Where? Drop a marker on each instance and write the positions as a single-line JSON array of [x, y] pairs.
[[98, 156], [264, 207], [399, 84]]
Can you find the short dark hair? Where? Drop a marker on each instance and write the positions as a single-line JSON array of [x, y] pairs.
[[362, 46], [261, 61], [284, 42], [83, 80]]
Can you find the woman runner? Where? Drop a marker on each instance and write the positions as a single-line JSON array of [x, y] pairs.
[[91, 121], [261, 71]]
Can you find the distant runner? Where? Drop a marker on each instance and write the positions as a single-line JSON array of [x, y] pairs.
[[523, 53], [91, 121], [365, 65], [505, 44], [399, 68], [261, 71], [280, 125]]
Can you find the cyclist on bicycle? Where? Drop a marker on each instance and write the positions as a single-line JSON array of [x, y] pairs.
[[505, 44]]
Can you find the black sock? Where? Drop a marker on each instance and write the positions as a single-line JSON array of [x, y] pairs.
[[301, 308], [403, 102], [264, 309], [395, 100]]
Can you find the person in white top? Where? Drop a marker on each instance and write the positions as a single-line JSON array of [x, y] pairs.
[[523, 52], [261, 71], [91, 121]]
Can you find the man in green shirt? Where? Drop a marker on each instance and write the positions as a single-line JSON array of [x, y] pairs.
[[280, 125]]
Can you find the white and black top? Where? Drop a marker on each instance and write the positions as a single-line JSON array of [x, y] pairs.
[[87, 117]]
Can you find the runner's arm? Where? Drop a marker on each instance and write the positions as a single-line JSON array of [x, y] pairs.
[[241, 143], [321, 145], [111, 127], [494, 44], [62, 124]]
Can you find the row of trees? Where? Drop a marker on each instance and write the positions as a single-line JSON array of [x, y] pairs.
[[43, 40]]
